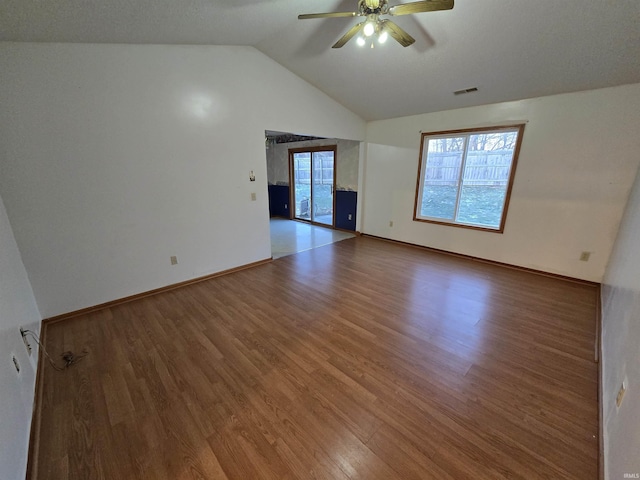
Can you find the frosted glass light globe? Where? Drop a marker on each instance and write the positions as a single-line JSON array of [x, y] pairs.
[[369, 29]]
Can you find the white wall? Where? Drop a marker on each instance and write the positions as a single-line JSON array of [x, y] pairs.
[[579, 155], [620, 345], [17, 308], [115, 157]]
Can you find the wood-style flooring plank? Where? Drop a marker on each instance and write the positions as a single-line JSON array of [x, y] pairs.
[[362, 359]]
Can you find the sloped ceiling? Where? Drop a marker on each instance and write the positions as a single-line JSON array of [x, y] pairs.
[[508, 49]]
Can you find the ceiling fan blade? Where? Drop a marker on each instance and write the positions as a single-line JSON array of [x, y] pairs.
[[397, 33], [418, 7], [306, 16], [349, 35]]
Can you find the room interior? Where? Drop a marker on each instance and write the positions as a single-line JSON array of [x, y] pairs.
[[130, 133]]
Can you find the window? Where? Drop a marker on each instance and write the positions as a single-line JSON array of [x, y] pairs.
[[465, 176]]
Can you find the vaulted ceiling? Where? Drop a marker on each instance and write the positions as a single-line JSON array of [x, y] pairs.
[[508, 49]]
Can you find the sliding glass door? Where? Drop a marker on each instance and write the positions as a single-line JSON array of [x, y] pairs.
[[313, 180]]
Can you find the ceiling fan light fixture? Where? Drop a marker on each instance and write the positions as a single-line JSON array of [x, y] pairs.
[[360, 41], [369, 29], [373, 26]]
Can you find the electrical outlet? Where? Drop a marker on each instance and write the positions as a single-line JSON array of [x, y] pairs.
[[15, 363], [621, 392], [253, 196], [174, 260], [584, 256], [286, 205], [350, 217], [24, 339], [391, 223]]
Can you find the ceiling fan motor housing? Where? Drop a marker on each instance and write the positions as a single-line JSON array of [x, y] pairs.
[[370, 7]]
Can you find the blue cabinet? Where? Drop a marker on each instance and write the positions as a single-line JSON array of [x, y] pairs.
[[279, 201], [346, 202]]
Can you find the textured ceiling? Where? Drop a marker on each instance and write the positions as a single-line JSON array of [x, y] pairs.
[[509, 49]]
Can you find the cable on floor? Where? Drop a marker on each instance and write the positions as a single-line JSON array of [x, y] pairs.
[[68, 357]]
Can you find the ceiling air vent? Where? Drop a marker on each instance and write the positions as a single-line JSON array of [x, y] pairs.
[[465, 90]]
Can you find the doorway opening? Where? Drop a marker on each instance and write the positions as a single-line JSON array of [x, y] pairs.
[[312, 184], [312, 171]]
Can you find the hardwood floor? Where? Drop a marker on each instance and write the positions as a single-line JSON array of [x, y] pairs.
[[361, 359]]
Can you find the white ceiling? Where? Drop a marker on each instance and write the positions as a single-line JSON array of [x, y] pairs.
[[509, 49]]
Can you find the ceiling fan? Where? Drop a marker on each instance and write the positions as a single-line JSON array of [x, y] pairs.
[[382, 28]]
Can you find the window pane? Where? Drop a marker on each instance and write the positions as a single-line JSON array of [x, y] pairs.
[[302, 183], [486, 178], [481, 205], [323, 187], [441, 177]]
